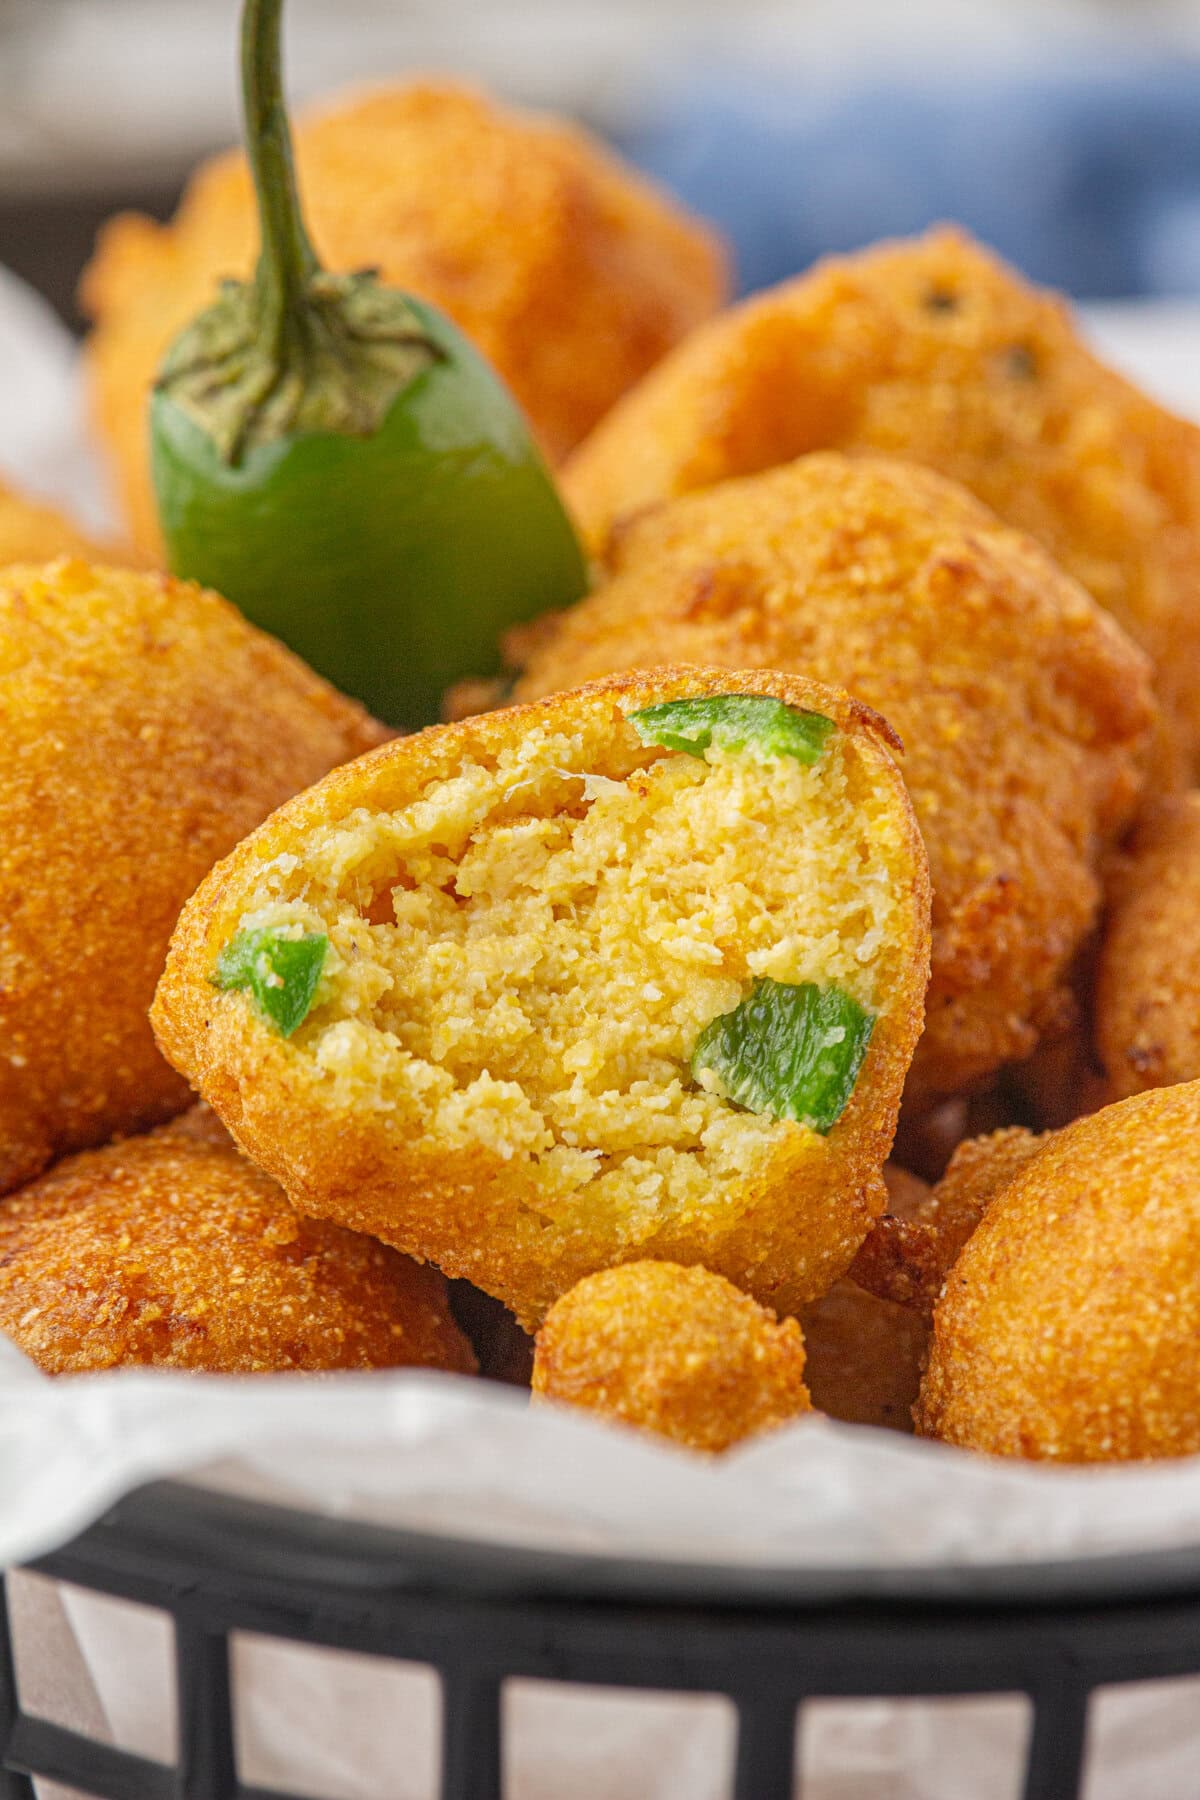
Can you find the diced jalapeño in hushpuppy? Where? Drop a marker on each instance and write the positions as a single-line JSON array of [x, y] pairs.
[[280, 971], [790, 1050], [585, 1001], [734, 722]]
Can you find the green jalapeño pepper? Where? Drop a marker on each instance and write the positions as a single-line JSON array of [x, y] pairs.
[[335, 458]]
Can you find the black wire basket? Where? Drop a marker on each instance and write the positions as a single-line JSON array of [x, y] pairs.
[[481, 1615]]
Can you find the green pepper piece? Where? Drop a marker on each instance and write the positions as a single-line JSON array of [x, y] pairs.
[[791, 1051], [280, 972], [334, 457], [734, 722]]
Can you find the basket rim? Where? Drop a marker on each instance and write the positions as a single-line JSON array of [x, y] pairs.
[[225, 1536]]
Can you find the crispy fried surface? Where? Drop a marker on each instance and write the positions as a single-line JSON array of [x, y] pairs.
[[863, 1354], [978, 1171], [933, 350], [173, 1250], [1024, 713], [531, 916], [1148, 985], [1069, 1328], [146, 728], [32, 532], [569, 271], [676, 1351]]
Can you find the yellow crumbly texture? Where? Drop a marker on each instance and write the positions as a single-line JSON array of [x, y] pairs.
[[531, 918], [565, 940]]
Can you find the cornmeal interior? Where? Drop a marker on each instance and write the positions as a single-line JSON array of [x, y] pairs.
[[526, 954]]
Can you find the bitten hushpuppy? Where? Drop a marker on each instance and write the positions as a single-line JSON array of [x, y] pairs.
[[635, 972]]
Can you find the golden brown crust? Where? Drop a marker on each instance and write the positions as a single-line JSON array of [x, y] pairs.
[[1069, 1328], [978, 1170], [676, 1351], [175, 1251], [146, 728], [1025, 714], [933, 350], [783, 1233], [1148, 982], [571, 272]]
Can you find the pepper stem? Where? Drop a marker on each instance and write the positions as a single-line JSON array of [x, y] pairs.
[[295, 350], [287, 261]]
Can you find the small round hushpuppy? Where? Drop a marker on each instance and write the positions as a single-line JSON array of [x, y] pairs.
[[678, 1352], [172, 1250], [634, 972], [932, 349], [565, 267], [1025, 713], [145, 729], [1147, 1002], [1069, 1327]]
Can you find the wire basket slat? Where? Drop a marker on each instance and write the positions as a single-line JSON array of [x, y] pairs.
[[481, 1615]]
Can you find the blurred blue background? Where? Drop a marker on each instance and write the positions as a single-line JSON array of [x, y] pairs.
[[1086, 176]]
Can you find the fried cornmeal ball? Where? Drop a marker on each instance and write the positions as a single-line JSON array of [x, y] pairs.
[[633, 973], [932, 349], [864, 1354], [173, 1250], [1148, 982], [145, 729], [570, 271], [1025, 713], [1069, 1328], [676, 1351]]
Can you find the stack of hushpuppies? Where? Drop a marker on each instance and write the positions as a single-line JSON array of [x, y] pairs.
[[788, 999]]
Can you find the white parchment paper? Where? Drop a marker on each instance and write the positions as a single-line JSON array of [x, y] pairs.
[[464, 1457]]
